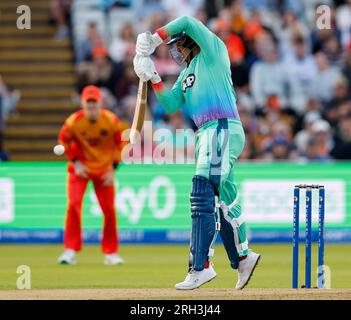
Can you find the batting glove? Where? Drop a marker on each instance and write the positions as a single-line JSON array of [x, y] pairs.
[[145, 69], [147, 43]]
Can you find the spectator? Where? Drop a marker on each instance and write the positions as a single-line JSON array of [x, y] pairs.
[[343, 14], [287, 72], [248, 152], [234, 44], [236, 51], [108, 4], [321, 136], [60, 14], [213, 7], [280, 149], [342, 148], [121, 43], [87, 45], [3, 154], [341, 94], [303, 136], [332, 48], [289, 27], [347, 67], [237, 16], [313, 151], [178, 8], [9, 98], [322, 84], [301, 65], [269, 77], [127, 82], [260, 88], [100, 71]]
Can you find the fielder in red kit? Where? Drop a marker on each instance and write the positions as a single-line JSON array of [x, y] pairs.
[[92, 141]]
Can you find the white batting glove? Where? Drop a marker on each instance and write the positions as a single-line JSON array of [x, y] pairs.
[[145, 69], [147, 43], [142, 67]]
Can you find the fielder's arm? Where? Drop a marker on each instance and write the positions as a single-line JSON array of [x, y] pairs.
[[119, 143], [66, 138]]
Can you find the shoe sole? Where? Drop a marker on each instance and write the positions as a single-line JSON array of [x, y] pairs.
[[197, 286], [113, 264], [252, 271]]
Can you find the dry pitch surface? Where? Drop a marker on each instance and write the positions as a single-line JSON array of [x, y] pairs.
[[160, 294]]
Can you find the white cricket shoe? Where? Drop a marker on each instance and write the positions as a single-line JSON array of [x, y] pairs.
[[246, 269], [113, 259], [195, 279], [67, 257]]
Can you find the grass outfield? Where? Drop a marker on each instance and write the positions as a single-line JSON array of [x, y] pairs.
[[158, 266]]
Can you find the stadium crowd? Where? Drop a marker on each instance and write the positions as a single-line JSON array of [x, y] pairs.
[[292, 79]]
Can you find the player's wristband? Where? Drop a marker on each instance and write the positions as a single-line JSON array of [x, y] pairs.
[[158, 86], [162, 34]]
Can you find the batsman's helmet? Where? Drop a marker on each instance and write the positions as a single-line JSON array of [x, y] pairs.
[[180, 40]]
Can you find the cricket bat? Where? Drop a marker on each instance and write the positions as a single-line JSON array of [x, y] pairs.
[[139, 113]]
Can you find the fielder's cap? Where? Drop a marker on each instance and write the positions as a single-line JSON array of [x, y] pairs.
[[177, 37], [91, 93]]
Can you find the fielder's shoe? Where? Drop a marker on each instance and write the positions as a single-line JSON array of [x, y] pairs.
[[195, 279], [246, 269], [113, 259], [67, 257]]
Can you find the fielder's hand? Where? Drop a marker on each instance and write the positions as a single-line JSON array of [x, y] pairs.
[[147, 43], [80, 170], [108, 178], [145, 69]]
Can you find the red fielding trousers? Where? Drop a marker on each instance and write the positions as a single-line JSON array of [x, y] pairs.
[[73, 226]]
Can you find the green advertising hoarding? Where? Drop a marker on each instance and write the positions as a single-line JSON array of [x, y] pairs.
[[153, 201]]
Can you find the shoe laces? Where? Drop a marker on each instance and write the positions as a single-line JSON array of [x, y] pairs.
[[191, 274]]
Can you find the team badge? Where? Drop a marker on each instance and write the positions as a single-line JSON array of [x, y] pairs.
[[188, 82]]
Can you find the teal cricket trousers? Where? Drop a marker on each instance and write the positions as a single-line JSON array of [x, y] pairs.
[[219, 143]]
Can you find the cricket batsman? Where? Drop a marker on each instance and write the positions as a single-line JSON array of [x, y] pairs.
[[206, 87], [92, 141]]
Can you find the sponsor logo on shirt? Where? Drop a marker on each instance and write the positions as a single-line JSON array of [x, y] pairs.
[[188, 82]]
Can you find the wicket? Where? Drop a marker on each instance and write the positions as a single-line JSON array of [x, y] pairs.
[[308, 234]]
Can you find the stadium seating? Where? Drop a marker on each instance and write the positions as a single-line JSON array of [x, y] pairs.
[[42, 69]]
